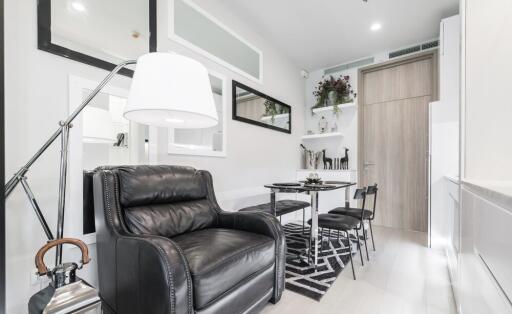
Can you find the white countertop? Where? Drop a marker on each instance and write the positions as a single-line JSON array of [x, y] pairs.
[[499, 192]]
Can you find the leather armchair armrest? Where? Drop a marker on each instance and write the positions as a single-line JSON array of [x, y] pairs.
[[152, 273], [265, 224]]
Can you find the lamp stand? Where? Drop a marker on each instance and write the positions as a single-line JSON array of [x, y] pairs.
[[63, 132]]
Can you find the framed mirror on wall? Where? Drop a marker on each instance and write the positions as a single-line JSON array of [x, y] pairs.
[[210, 141], [100, 136], [101, 33], [253, 107]]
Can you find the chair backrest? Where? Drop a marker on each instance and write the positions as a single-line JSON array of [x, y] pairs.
[[165, 200], [372, 190], [360, 194]]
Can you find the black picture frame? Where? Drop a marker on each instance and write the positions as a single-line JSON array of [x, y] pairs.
[[236, 84], [44, 38]]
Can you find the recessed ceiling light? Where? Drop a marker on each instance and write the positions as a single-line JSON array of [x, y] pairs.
[[375, 27], [78, 6]]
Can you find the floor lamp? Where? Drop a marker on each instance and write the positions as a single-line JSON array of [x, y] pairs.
[[167, 90]]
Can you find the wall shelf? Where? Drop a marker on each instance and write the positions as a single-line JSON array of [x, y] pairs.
[[322, 135], [330, 108]]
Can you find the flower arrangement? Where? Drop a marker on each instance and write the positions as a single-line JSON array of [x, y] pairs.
[[335, 91]]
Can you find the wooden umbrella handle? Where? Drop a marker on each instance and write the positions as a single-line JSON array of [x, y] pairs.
[[41, 267]]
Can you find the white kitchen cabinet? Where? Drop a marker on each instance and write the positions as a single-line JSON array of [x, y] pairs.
[[485, 284]]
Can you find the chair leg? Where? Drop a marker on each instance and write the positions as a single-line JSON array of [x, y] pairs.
[[359, 246], [371, 232], [303, 219], [365, 243], [350, 254], [321, 240], [280, 220], [310, 253]]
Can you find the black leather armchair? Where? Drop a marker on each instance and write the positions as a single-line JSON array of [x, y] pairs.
[[165, 246]]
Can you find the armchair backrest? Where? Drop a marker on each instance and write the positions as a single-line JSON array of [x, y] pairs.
[[164, 200]]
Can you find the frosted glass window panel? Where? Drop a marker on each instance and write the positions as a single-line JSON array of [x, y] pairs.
[[208, 141], [201, 32]]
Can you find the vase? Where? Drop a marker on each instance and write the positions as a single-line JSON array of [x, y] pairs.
[[332, 98]]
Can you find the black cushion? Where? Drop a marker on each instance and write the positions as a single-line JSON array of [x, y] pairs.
[[220, 259], [168, 220], [164, 200], [145, 185], [282, 207], [353, 212], [336, 222]]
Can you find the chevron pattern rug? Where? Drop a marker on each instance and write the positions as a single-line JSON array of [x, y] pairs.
[[303, 278]]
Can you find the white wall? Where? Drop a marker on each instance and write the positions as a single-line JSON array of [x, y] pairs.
[[37, 96], [255, 155], [488, 108]]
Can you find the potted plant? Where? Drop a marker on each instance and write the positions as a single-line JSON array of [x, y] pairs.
[[332, 92]]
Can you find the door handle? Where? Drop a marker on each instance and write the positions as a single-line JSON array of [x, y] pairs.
[[367, 164]]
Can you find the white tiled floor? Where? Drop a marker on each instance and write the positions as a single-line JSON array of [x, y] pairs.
[[403, 276]]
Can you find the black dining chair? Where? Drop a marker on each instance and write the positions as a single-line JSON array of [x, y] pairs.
[[344, 223], [369, 215]]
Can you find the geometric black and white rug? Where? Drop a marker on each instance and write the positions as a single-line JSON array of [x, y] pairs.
[[303, 278]]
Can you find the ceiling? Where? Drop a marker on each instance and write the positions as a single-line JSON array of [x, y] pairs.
[[320, 33]]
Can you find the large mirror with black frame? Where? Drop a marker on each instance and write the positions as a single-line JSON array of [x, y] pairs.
[[254, 107], [101, 33]]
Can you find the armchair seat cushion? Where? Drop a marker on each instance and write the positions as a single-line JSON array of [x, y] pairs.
[[221, 259]]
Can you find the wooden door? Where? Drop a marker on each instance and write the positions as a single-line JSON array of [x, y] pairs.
[[394, 139]]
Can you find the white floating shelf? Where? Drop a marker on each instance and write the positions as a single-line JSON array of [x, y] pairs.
[[323, 135], [276, 117], [330, 108]]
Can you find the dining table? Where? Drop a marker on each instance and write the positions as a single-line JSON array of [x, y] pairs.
[[313, 190]]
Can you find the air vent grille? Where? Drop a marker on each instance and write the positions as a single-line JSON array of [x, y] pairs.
[[343, 67], [406, 51], [430, 45]]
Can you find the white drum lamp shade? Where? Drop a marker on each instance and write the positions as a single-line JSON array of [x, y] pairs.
[[97, 126], [170, 90]]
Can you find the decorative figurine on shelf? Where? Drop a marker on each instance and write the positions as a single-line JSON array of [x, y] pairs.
[[322, 125], [311, 159], [313, 178], [327, 161], [344, 160]]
